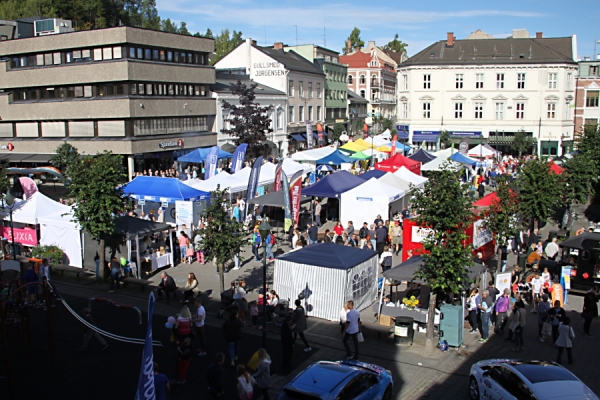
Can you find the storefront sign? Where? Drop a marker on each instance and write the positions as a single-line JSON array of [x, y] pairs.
[[481, 235], [364, 198], [402, 128], [417, 133], [26, 236], [464, 133], [170, 144], [419, 234], [8, 146], [503, 282], [268, 69]]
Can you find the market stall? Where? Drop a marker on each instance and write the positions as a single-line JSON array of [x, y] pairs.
[[461, 158], [158, 189], [410, 176], [265, 178], [313, 155], [366, 201], [481, 152], [290, 167], [223, 180], [60, 229], [397, 161], [422, 156], [335, 158], [199, 155]]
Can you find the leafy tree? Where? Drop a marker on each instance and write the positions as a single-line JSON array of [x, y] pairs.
[[222, 235], [99, 198], [443, 206], [338, 128], [149, 13], [66, 155], [396, 45], [444, 139], [355, 40], [249, 121], [4, 181], [522, 142], [224, 43], [579, 178], [588, 143], [209, 34], [592, 212], [539, 191], [387, 123]]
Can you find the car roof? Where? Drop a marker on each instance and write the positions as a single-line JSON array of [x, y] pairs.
[[541, 371], [323, 377]]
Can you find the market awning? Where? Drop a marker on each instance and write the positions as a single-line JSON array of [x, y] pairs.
[[298, 137]]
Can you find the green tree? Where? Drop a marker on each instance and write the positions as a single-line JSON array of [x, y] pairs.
[[443, 206], [579, 178], [249, 121], [355, 41], [66, 155], [209, 34], [222, 235], [522, 142], [396, 45], [226, 42], [588, 143], [96, 187], [4, 181], [539, 191], [166, 25], [388, 123], [183, 30], [338, 128], [149, 13], [444, 139]]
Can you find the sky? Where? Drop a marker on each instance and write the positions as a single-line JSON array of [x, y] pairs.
[[418, 23]]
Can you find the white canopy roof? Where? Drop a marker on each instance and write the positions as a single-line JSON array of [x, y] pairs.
[[437, 164], [395, 181], [37, 206], [60, 229], [411, 177], [481, 151], [62, 219], [313, 154], [380, 140], [266, 177], [222, 179], [443, 153], [290, 167]]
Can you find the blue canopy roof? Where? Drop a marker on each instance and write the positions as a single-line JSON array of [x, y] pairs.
[[422, 156], [374, 173], [336, 158], [329, 255], [333, 185], [155, 188], [461, 158], [199, 155]]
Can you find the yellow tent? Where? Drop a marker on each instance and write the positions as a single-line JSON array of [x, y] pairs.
[[352, 147], [365, 144]]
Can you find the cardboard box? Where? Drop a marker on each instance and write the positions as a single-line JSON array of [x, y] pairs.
[[386, 320]]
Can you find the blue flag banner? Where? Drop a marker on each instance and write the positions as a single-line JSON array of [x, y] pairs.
[[145, 390], [238, 158], [253, 181], [211, 162]]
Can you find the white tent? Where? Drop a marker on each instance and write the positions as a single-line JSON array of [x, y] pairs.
[[380, 140], [290, 167], [481, 151], [327, 275], [404, 174], [313, 154], [222, 179], [59, 229], [444, 153], [437, 164], [30, 210], [366, 201], [266, 177], [395, 181]]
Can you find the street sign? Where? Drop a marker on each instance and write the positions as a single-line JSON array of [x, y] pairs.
[[141, 202]]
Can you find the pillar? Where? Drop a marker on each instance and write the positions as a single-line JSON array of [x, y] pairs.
[[130, 167]]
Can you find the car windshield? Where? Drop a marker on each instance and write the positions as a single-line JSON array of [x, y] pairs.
[[536, 373]]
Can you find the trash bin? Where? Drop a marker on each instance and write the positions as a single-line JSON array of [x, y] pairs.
[[522, 261], [404, 331]]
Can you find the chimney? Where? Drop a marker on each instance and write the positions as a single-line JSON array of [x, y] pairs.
[[539, 35], [349, 46], [371, 44], [254, 43], [278, 46], [450, 39]]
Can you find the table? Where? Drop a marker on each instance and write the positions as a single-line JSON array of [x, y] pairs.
[[161, 261], [418, 315]]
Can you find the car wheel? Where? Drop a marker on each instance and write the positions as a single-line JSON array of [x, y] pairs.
[[387, 395], [473, 389]]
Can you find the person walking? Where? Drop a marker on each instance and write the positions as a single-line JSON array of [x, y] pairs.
[[256, 240], [184, 241], [386, 259], [381, 234], [542, 314], [232, 332], [90, 333], [269, 248], [245, 383], [397, 236], [372, 236], [317, 213], [287, 342], [363, 233], [312, 233], [263, 374], [552, 249], [590, 310], [215, 375], [44, 271], [115, 273], [518, 325], [199, 320], [565, 340], [185, 355], [353, 324], [485, 308], [299, 319], [161, 384], [555, 316], [167, 285], [502, 306], [474, 302]]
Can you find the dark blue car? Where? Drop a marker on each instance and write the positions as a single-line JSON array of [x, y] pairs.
[[340, 380]]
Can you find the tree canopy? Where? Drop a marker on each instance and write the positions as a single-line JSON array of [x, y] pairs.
[[539, 191], [224, 43], [522, 142], [66, 155], [396, 45], [355, 40], [588, 143]]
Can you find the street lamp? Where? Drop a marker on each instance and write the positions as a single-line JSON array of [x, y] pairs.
[[264, 228], [9, 199]]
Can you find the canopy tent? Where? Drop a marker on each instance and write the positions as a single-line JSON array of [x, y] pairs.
[[406, 270], [359, 155], [576, 242], [556, 169], [366, 144], [290, 167], [324, 168], [393, 163], [223, 179], [313, 154], [395, 181], [440, 163], [274, 199], [155, 188], [333, 185], [461, 158], [328, 275], [335, 158], [487, 200], [365, 202], [386, 148], [60, 229], [35, 207], [445, 153], [199, 155], [351, 147], [481, 151], [380, 140], [374, 173], [405, 174], [422, 156], [487, 146]]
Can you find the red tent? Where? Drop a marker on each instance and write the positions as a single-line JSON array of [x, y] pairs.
[[557, 169], [487, 200], [393, 163]]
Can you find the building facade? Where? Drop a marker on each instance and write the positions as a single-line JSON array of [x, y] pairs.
[[489, 89], [587, 110], [140, 93], [357, 113]]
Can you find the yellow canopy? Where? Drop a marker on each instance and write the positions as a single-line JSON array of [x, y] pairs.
[[352, 147], [365, 144]]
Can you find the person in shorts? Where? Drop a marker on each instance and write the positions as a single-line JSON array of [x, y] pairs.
[[537, 290]]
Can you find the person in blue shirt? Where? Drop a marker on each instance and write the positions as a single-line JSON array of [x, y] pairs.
[[256, 240], [237, 212], [161, 384]]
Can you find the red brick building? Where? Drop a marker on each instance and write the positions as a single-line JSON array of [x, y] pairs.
[[587, 91]]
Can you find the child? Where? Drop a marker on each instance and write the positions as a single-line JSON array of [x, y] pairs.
[[245, 383], [546, 277], [254, 315]]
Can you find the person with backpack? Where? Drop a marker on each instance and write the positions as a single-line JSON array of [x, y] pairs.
[[256, 240], [271, 240], [386, 258], [542, 312]]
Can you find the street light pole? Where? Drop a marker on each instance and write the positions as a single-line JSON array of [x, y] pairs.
[[264, 228]]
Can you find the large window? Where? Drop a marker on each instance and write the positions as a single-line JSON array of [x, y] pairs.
[[310, 113], [291, 88], [300, 89], [300, 113], [479, 110], [478, 81], [310, 92], [404, 82], [319, 114], [551, 110], [520, 81], [459, 81], [426, 81], [290, 114], [499, 111], [163, 126], [591, 98], [520, 112], [499, 81], [458, 110], [350, 79], [318, 90], [426, 110], [552, 80], [362, 80]]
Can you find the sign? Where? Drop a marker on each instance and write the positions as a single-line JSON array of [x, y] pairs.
[[364, 198], [402, 128], [141, 202], [164, 204], [417, 133], [184, 213], [419, 234], [481, 235], [464, 133], [171, 144], [26, 236], [238, 158], [8, 146], [566, 277], [295, 195], [503, 282], [463, 146], [309, 134], [146, 389], [268, 69]]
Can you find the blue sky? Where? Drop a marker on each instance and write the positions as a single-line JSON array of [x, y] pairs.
[[418, 23]]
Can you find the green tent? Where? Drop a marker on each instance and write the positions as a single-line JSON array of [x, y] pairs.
[[360, 156]]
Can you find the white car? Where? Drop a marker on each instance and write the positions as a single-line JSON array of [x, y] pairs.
[[525, 380]]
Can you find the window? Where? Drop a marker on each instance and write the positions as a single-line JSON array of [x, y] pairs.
[[350, 79], [520, 110], [319, 114], [499, 81], [478, 110], [362, 80], [478, 81], [300, 89], [291, 114], [551, 114], [459, 81], [405, 110], [427, 81], [570, 79], [374, 80], [310, 92], [362, 94], [591, 98], [97, 54], [300, 113], [552, 78], [520, 81], [57, 58], [107, 53], [310, 113], [499, 111], [48, 59], [279, 120], [426, 110], [291, 88], [458, 110], [318, 90], [405, 82]]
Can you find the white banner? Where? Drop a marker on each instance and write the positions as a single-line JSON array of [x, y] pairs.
[[503, 282], [418, 233], [481, 235], [184, 213]]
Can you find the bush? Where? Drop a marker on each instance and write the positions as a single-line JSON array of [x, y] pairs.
[[53, 253]]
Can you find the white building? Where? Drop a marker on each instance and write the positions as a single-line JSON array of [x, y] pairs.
[[489, 89]]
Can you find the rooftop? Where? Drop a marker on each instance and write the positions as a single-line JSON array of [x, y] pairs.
[[292, 60], [224, 79]]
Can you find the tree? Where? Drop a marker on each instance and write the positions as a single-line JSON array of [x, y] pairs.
[[522, 142], [222, 235], [4, 181], [396, 45], [443, 206], [96, 187], [209, 34], [444, 139], [539, 191], [166, 25], [579, 179], [388, 123], [589, 143], [355, 41], [150, 18], [224, 43], [66, 155], [183, 30], [249, 121], [338, 128]]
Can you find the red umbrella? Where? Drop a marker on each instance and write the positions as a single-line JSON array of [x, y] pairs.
[[487, 200]]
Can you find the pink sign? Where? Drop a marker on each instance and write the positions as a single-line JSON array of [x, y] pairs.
[[29, 186], [26, 236]]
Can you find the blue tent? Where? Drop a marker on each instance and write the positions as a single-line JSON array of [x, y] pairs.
[[374, 173], [329, 255], [333, 185], [336, 158], [199, 155], [155, 188], [461, 158], [422, 156]]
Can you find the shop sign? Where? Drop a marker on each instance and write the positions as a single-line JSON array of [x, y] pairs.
[[464, 133], [171, 144], [26, 236], [268, 69], [8, 146], [417, 133]]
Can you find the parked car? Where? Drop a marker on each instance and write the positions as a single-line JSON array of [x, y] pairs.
[[340, 380], [525, 380]]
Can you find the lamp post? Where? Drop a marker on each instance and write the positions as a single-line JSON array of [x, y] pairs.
[[264, 228]]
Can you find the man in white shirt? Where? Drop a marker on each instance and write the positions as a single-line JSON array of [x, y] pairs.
[[552, 249], [199, 326], [537, 283], [352, 329]]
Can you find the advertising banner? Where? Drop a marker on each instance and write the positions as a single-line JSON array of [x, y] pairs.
[[295, 194], [419, 234], [238, 158], [394, 140], [309, 135], [253, 181], [503, 282], [481, 236], [278, 177], [184, 214], [211, 163], [146, 389], [287, 205], [26, 236]]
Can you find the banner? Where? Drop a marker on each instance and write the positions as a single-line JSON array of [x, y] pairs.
[[287, 213], [253, 181], [145, 389], [309, 135], [481, 235], [295, 194], [210, 164], [26, 236], [278, 177], [503, 282], [184, 214], [238, 158], [393, 152], [463, 146]]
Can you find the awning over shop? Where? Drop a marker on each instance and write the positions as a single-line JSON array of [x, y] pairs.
[[424, 138], [298, 137]]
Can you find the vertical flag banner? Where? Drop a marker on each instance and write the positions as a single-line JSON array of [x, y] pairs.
[[287, 213], [463, 146], [253, 181], [309, 134], [238, 158], [145, 390], [278, 177], [320, 142], [295, 193], [394, 140], [211, 162]]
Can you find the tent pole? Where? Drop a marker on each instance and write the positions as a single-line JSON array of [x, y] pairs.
[[137, 253], [172, 253]]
